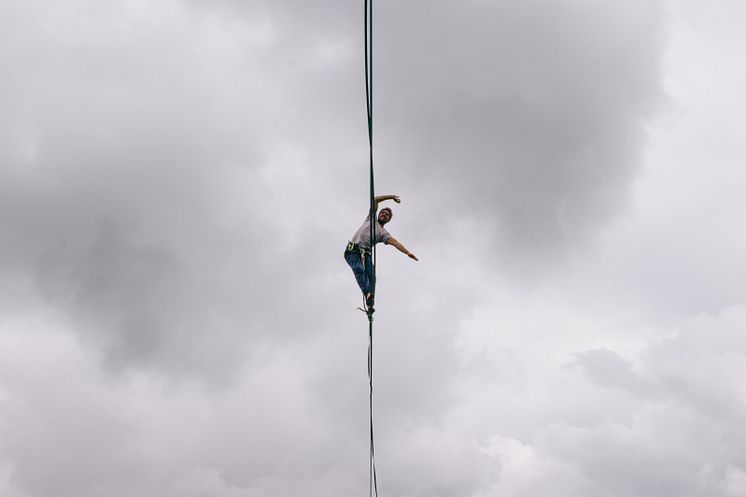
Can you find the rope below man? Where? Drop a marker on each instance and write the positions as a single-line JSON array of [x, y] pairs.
[[358, 251]]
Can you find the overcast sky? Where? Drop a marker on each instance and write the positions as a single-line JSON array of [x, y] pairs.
[[178, 180]]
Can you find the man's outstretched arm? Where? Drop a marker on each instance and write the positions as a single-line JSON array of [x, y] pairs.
[[401, 248], [380, 198]]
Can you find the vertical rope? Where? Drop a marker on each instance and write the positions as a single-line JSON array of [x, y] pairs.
[[369, 106], [368, 15], [373, 481]]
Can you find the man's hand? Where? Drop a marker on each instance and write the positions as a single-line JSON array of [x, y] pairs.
[[396, 199]]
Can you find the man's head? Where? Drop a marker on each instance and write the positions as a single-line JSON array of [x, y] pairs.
[[385, 215]]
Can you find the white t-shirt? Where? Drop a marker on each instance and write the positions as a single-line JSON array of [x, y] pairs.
[[362, 235]]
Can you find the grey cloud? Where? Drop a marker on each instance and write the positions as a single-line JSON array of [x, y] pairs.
[[682, 437], [128, 169], [606, 368], [702, 362], [179, 180], [615, 460], [145, 125], [533, 114]]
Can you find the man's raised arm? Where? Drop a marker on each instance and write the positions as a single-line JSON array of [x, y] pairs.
[[380, 198]]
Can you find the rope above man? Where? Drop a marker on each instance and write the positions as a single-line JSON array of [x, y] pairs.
[[358, 251]]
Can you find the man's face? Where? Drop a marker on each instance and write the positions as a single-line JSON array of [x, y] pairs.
[[384, 217]]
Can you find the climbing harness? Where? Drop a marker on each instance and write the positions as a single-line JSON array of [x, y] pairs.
[[354, 247]]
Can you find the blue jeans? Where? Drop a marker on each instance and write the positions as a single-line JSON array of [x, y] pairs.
[[363, 270]]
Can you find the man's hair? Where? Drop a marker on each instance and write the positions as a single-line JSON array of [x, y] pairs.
[[391, 214]]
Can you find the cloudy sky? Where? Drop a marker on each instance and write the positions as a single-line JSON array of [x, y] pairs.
[[178, 180]]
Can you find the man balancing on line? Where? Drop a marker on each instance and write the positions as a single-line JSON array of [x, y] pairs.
[[358, 251]]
